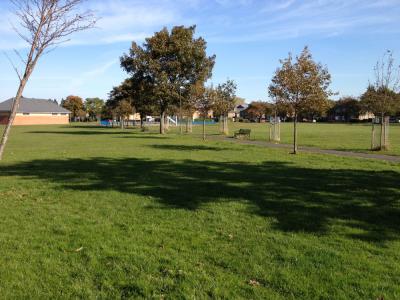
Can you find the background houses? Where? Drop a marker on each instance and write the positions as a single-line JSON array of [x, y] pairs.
[[35, 112]]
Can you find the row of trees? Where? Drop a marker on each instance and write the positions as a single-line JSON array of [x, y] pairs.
[[167, 75], [346, 109], [91, 109], [170, 69], [300, 86]]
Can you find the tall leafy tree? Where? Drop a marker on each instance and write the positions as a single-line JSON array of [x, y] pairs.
[[302, 85], [94, 107], [380, 96], [44, 24], [167, 61], [75, 105], [142, 98]]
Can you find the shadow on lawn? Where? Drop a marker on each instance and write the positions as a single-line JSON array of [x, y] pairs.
[[189, 148], [299, 199], [121, 133]]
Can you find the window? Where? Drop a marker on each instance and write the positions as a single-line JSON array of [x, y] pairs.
[[26, 114], [54, 114], [64, 114]]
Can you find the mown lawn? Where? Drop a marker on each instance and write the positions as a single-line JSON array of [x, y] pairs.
[[348, 137], [102, 213]]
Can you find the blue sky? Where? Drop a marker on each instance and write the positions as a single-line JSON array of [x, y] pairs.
[[248, 37]]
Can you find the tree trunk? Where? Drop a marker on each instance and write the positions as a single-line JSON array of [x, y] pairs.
[[295, 134], [373, 136], [222, 124], [141, 121], [13, 113], [204, 129], [383, 142], [180, 121], [162, 122], [187, 124], [121, 122], [226, 129], [166, 122]]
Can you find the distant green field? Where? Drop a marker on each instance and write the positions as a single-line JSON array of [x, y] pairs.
[[351, 137], [91, 212]]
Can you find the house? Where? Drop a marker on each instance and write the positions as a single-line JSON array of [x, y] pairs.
[[237, 111], [34, 112], [348, 110]]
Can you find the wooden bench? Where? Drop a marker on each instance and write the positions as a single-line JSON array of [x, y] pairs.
[[242, 133]]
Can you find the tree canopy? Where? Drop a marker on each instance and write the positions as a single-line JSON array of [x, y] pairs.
[[257, 109], [74, 104], [301, 85], [168, 61], [347, 108], [94, 108]]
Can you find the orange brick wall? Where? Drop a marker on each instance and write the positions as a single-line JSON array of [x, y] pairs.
[[40, 120], [37, 120]]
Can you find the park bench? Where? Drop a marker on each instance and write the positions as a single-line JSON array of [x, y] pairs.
[[242, 133]]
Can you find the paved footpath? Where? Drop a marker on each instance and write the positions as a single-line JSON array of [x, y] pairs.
[[390, 158]]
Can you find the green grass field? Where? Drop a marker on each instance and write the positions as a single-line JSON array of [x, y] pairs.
[[91, 212], [347, 137]]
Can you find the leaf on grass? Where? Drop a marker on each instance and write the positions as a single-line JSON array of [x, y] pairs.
[[254, 282]]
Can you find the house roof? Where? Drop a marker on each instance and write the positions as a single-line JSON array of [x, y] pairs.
[[241, 107], [28, 105]]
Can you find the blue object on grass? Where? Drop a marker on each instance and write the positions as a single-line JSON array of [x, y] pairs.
[[106, 123]]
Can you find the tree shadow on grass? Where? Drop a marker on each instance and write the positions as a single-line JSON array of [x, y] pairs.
[[299, 199], [190, 148], [80, 132], [123, 133]]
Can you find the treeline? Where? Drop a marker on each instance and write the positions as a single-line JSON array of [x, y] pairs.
[[169, 72], [346, 109], [92, 109]]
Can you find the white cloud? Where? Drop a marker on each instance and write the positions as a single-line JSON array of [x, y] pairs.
[[324, 18], [274, 6], [85, 77], [229, 20]]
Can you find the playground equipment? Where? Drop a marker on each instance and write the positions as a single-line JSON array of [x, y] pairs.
[[172, 120]]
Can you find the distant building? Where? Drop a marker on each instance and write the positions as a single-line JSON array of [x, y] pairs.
[[34, 112], [238, 111], [348, 109]]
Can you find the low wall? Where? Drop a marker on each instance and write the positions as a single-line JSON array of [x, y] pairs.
[[41, 120], [36, 120]]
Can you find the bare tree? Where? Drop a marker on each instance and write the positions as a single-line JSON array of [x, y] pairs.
[[205, 103], [381, 98], [225, 102], [44, 24]]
